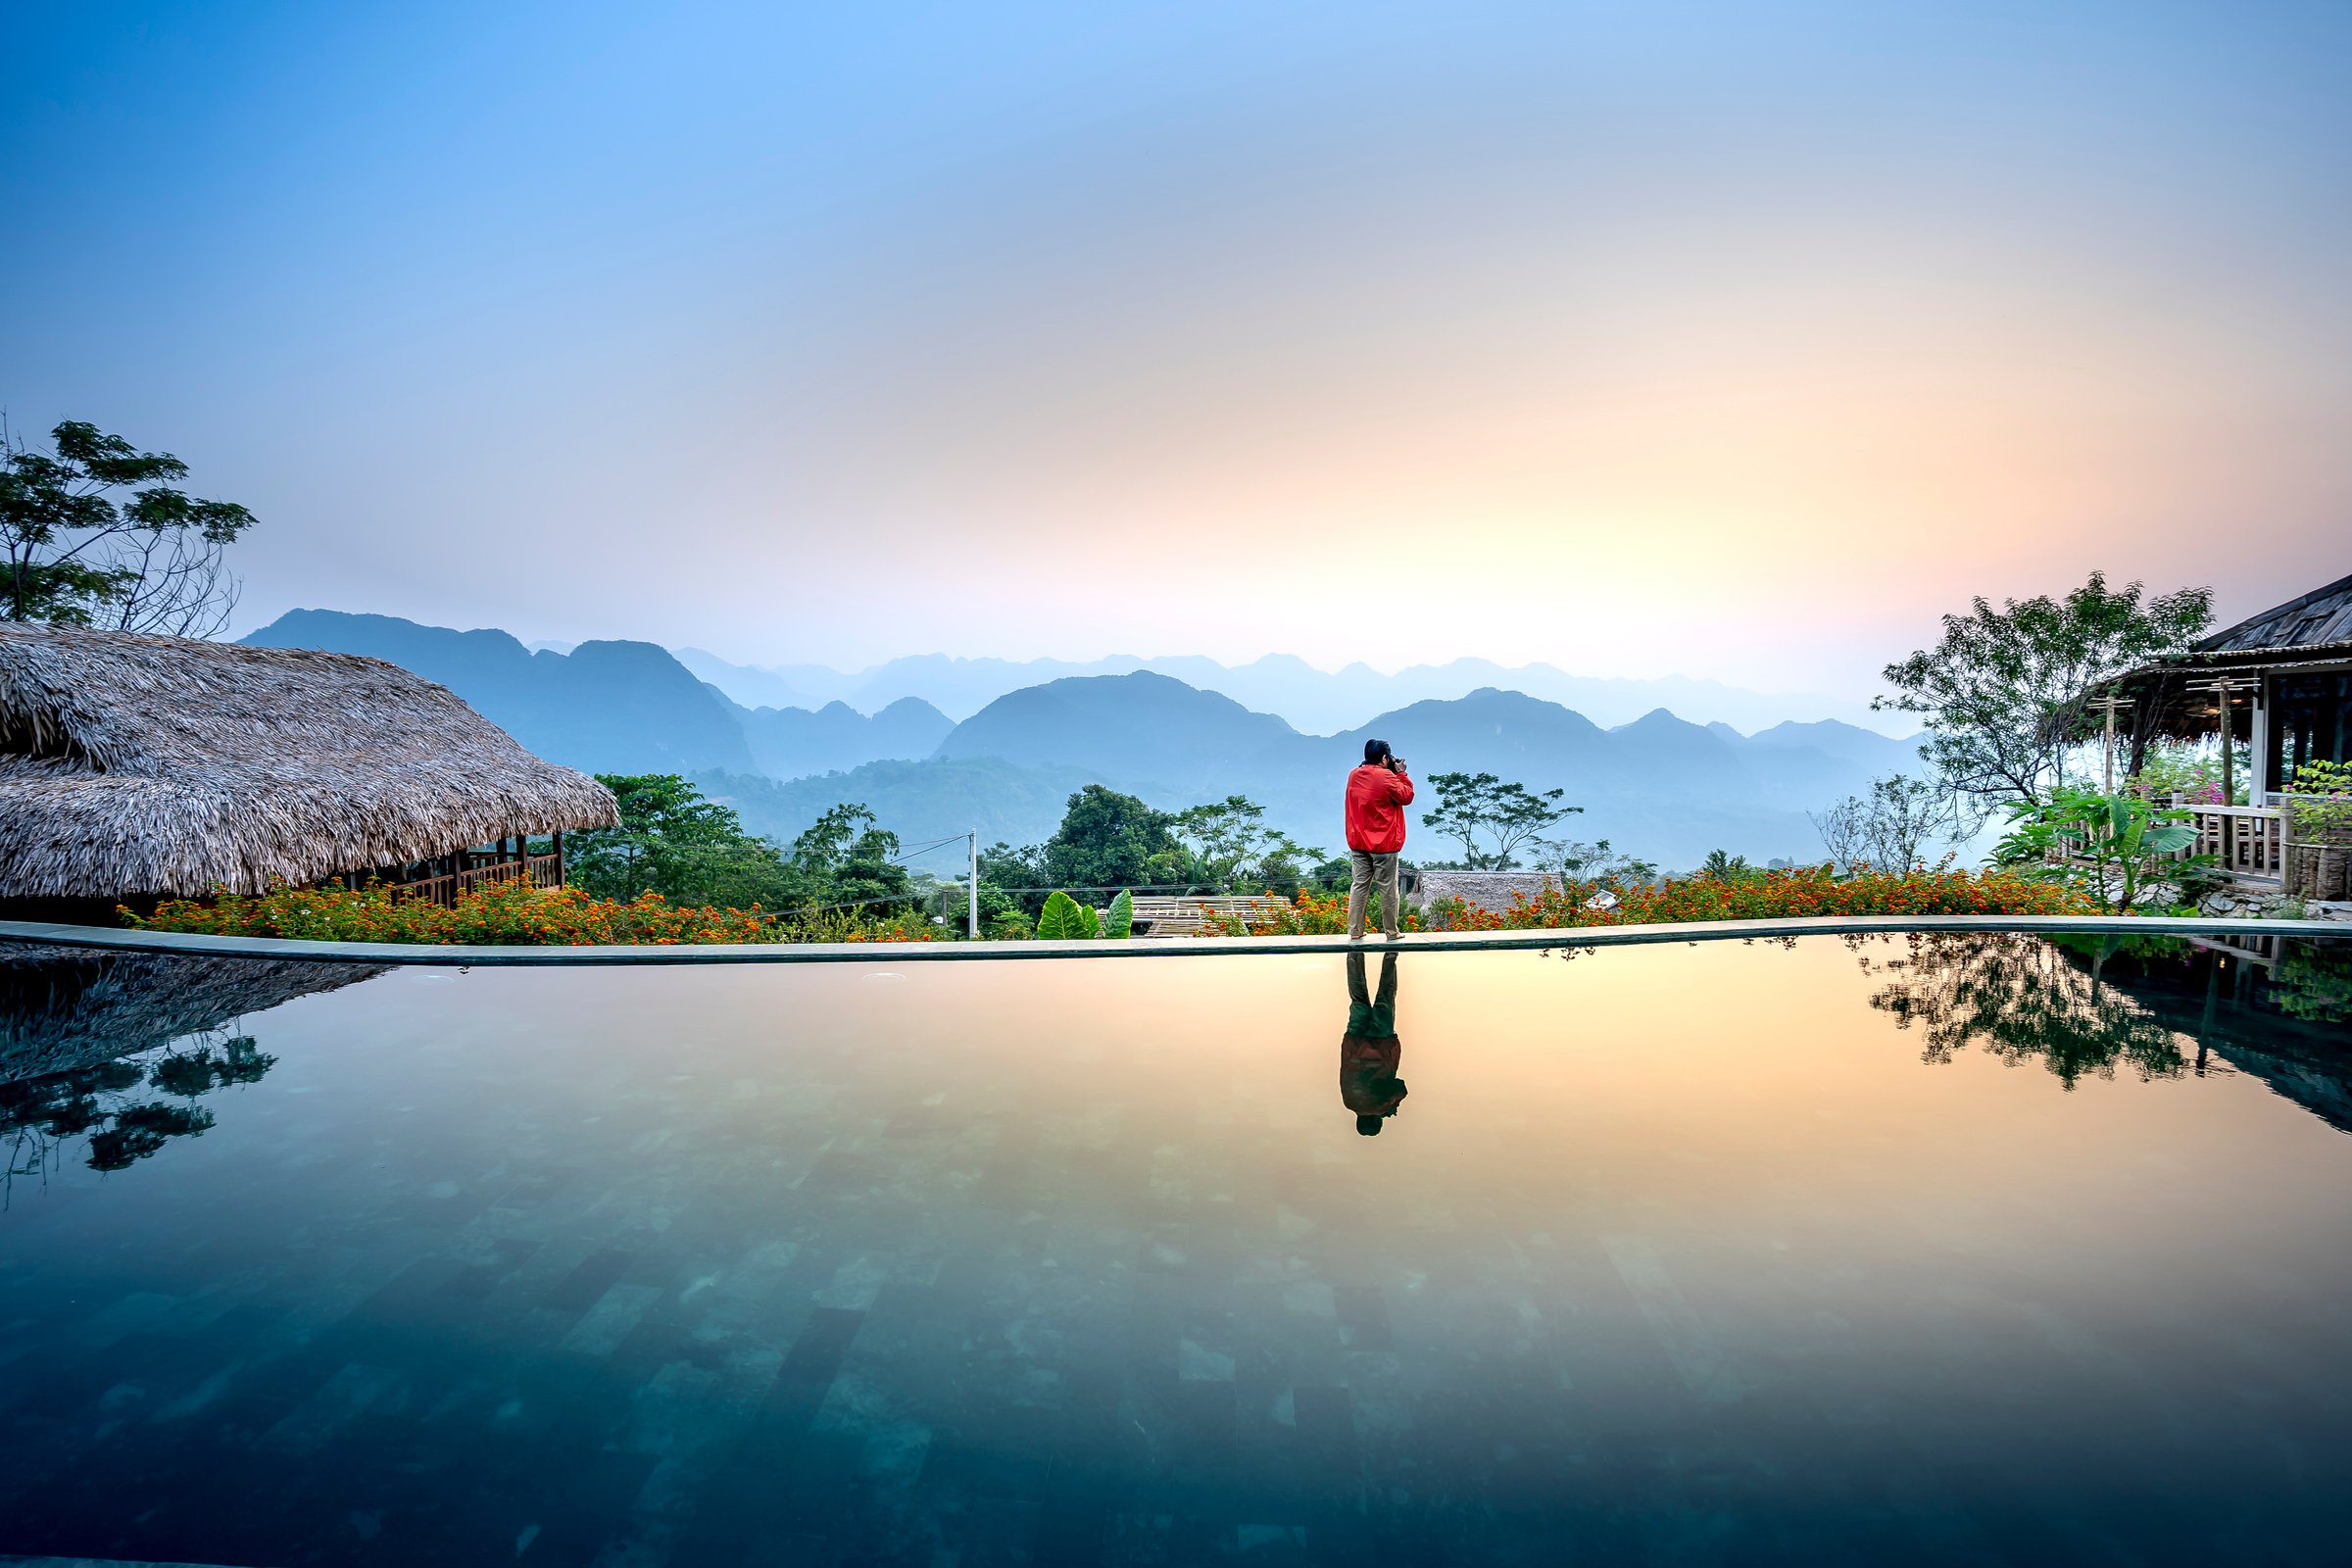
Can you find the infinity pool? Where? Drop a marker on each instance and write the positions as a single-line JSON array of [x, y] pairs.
[[1955, 1249]]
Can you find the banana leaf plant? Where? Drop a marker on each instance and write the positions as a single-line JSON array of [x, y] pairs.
[[1065, 920], [2113, 847]]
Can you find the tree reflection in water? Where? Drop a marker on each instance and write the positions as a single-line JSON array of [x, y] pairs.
[[111, 1106], [2025, 999], [2313, 981], [114, 1050]]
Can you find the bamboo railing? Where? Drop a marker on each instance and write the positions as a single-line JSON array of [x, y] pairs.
[[540, 870]]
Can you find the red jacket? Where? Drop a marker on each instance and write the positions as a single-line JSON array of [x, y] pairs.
[[1376, 802]]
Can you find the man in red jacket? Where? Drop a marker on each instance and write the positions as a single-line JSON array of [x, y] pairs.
[[1378, 792]]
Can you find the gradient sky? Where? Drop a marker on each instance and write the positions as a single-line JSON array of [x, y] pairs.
[[1733, 341]]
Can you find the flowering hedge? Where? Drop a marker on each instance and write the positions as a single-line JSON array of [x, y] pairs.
[[1311, 915], [1755, 896], [509, 914], [517, 913]]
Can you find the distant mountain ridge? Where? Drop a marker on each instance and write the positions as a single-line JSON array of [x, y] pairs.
[[793, 741], [1655, 785], [1137, 725], [1312, 700], [616, 706], [605, 706]]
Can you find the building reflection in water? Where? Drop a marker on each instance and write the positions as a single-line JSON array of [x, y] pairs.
[[105, 1055]]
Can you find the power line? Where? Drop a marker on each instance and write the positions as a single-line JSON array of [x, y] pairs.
[[926, 849]]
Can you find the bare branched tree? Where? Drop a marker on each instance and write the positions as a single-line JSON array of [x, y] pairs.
[[1889, 829]]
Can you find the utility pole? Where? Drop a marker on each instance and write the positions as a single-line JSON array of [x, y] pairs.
[[971, 843]]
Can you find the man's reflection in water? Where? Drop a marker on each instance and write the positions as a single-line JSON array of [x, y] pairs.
[[1369, 1050]]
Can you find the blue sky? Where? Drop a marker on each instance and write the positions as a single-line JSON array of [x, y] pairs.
[[1727, 340]]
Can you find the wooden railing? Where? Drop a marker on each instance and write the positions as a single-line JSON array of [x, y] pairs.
[[1185, 917], [541, 870], [2247, 843]]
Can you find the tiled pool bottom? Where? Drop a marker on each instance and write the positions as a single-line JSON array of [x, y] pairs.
[[1972, 1251]]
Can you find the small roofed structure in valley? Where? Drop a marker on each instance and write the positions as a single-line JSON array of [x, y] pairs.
[[138, 766]]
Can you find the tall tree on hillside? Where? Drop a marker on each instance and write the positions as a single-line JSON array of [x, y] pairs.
[[1230, 843], [690, 850], [1507, 817], [2007, 692], [96, 535], [1108, 840], [851, 857]]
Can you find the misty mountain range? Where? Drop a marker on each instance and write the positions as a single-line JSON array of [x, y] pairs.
[[1313, 700], [1657, 786]]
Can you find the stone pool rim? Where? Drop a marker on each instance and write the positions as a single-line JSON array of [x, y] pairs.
[[438, 956]]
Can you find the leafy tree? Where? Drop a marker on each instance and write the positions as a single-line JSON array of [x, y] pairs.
[[850, 857], [1005, 866], [1888, 830], [2162, 768], [1230, 845], [1111, 840], [1725, 867], [148, 560], [2007, 692], [1009, 882], [1336, 873], [1510, 817], [674, 842], [1577, 861], [691, 850]]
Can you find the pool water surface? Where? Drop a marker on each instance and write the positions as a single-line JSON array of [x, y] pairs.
[[1961, 1249]]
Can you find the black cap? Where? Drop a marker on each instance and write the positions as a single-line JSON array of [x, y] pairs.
[[1374, 751]]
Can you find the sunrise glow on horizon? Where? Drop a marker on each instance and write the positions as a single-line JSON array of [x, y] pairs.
[[1726, 341]]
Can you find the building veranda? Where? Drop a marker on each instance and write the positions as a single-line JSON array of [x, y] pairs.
[[2281, 684]]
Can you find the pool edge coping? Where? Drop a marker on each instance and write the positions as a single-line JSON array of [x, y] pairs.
[[28, 932]]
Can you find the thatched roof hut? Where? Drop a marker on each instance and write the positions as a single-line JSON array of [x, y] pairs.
[[2284, 678], [134, 764]]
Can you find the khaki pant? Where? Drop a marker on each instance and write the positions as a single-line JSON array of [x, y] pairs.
[[1367, 871]]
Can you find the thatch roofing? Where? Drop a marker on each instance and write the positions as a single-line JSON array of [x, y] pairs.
[[134, 765], [2320, 619], [2312, 631]]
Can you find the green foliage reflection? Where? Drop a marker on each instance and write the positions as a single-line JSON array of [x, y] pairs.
[[107, 1105], [2023, 998]]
